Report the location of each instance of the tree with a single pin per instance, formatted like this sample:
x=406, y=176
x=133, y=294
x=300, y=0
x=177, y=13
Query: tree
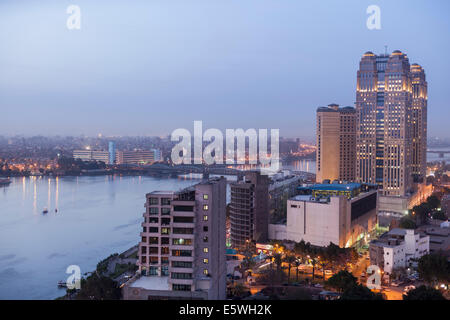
x=407, y=223
x=98, y=288
x=360, y=292
x=423, y=293
x=289, y=259
x=433, y=202
x=313, y=261
x=439, y=215
x=297, y=264
x=238, y=290
x=433, y=268
x=278, y=260
x=342, y=281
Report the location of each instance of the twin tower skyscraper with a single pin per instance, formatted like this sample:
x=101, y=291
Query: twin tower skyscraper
x=384, y=139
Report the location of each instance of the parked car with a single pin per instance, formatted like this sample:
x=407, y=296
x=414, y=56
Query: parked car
x=409, y=288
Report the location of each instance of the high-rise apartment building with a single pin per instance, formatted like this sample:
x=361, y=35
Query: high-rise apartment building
x=336, y=143
x=249, y=209
x=182, y=249
x=385, y=123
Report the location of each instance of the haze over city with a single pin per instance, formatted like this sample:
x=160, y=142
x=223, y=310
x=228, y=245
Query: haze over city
x=150, y=68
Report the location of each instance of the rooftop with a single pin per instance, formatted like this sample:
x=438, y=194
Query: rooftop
x=333, y=186
x=151, y=283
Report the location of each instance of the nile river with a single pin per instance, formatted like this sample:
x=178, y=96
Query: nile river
x=97, y=216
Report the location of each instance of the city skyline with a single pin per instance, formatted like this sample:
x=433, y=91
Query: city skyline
x=85, y=82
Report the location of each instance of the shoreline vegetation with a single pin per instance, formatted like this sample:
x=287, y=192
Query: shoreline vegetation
x=105, y=282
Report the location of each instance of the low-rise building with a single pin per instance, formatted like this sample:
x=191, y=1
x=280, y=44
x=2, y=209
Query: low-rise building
x=398, y=248
x=343, y=214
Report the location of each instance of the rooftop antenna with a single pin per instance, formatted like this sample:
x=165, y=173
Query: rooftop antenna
x=385, y=49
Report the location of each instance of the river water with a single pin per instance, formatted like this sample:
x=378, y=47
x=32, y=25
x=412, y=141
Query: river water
x=97, y=216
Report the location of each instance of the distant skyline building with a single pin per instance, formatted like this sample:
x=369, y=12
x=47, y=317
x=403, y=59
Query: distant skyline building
x=113, y=156
x=92, y=155
x=391, y=122
x=249, y=209
x=182, y=249
x=112, y=152
x=336, y=143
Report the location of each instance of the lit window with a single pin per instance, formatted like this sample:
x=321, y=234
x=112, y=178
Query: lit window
x=205, y=197
x=205, y=218
x=205, y=272
x=205, y=207
x=205, y=261
x=205, y=250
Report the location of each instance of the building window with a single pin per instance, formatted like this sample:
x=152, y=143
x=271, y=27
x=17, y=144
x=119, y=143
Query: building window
x=153, y=201
x=181, y=287
x=205, y=218
x=182, y=253
x=154, y=210
x=205, y=228
x=183, y=231
x=205, y=250
x=165, y=201
x=181, y=264
x=153, y=230
x=165, y=230
x=164, y=250
x=181, y=242
x=181, y=275
x=205, y=261
x=205, y=197
x=165, y=211
x=205, y=239
x=205, y=272
x=205, y=207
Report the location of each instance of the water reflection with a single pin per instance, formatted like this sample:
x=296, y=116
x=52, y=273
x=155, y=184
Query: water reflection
x=84, y=231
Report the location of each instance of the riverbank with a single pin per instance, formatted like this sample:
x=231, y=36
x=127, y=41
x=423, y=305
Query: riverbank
x=109, y=275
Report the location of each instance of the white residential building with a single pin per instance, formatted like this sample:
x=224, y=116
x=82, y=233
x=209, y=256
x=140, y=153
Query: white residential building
x=398, y=248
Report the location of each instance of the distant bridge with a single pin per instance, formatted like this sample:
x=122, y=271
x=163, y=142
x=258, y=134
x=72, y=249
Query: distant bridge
x=161, y=168
x=439, y=152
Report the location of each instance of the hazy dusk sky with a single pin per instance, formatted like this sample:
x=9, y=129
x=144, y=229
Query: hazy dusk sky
x=149, y=67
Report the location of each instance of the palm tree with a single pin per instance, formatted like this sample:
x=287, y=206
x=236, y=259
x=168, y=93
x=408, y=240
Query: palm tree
x=289, y=259
x=313, y=261
x=238, y=290
x=297, y=264
x=278, y=260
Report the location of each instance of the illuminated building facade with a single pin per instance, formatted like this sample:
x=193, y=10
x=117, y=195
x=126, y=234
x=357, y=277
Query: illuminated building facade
x=419, y=122
x=336, y=143
x=385, y=125
x=344, y=214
